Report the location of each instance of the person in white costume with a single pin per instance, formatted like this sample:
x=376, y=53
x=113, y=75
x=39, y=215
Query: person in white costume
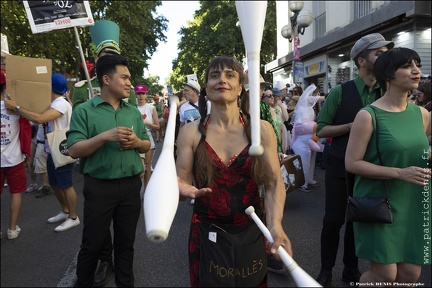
x=303, y=142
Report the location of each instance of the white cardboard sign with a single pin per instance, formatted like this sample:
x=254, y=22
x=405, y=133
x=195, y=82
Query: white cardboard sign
x=49, y=15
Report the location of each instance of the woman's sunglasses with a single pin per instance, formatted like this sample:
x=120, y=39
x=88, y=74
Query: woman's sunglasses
x=268, y=96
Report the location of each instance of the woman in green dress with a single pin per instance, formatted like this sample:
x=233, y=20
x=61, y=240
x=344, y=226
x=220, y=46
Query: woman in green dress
x=396, y=251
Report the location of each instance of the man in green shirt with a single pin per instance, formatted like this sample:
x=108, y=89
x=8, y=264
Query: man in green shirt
x=335, y=120
x=105, y=35
x=108, y=134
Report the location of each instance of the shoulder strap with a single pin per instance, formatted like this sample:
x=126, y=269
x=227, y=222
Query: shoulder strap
x=193, y=104
x=377, y=145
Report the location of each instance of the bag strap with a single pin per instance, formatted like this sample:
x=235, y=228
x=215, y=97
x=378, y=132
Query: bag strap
x=377, y=145
x=193, y=104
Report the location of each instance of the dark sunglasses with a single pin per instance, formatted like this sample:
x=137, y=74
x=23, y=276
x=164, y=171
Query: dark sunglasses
x=268, y=96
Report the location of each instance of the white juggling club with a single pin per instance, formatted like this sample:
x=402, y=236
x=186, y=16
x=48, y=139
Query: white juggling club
x=301, y=278
x=161, y=196
x=252, y=16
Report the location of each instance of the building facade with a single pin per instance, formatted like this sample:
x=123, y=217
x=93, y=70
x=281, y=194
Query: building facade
x=324, y=48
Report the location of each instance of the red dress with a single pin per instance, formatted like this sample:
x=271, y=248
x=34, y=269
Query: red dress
x=234, y=190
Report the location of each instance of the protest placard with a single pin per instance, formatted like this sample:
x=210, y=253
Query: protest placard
x=48, y=15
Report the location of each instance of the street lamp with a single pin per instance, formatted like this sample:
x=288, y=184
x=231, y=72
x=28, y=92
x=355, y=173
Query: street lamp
x=296, y=25
x=298, y=22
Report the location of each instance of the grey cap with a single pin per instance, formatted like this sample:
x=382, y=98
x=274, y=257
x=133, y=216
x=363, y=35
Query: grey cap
x=370, y=41
x=276, y=92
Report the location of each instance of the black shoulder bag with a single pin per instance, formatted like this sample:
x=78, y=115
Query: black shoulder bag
x=370, y=209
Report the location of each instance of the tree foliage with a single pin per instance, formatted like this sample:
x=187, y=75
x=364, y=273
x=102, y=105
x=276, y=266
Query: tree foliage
x=140, y=30
x=152, y=84
x=213, y=32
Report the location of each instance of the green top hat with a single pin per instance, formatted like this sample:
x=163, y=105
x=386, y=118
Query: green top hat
x=105, y=34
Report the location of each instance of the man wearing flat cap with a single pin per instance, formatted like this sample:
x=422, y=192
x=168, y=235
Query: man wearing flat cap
x=105, y=36
x=335, y=120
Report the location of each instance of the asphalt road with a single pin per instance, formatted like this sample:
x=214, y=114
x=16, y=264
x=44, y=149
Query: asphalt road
x=40, y=257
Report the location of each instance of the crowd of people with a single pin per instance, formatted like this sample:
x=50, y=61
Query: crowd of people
x=220, y=178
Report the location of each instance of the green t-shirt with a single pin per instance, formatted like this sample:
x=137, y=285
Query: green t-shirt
x=332, y=103
x=108, y=162
x=159, y=110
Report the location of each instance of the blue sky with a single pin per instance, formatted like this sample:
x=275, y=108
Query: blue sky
x=177, y=13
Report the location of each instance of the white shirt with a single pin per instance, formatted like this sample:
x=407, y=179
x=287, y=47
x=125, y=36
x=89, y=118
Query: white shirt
x=40, y=135
x=65, y=108
x=11, y=154
x=189, y=113
x=147, y=113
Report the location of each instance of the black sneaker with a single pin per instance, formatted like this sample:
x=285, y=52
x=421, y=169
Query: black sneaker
x=103, y=273
x=351, y=275
x=275, y=266
x=44, y=191
x=325, y=277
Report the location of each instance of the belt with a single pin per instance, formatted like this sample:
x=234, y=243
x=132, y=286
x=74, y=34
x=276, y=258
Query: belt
x=40, y=142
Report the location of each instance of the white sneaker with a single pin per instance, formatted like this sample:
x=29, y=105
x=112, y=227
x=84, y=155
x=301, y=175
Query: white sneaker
x=304, y=189
x=31, y=188
x=59, y=217
x=192, y=201
x=12, y=234
x=69, y=223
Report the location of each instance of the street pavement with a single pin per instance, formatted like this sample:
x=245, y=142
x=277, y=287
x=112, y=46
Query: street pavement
x=40, y=257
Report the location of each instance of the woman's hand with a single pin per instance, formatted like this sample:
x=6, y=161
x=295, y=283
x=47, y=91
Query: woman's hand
x=415, y=175
x=280, y=239
x=281, y=157
x=189, y=191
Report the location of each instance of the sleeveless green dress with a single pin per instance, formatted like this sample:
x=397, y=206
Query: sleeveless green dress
x=402, y=143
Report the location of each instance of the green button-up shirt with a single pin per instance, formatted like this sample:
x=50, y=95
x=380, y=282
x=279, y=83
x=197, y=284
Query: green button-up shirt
x=332, y=103
x=108, y=162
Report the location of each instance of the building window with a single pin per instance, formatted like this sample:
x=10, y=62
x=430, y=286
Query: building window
x=320, y=25
x=362, y=8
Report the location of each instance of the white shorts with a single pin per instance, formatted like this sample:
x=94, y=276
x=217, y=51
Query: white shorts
x=40, y=159
x=152, y=143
